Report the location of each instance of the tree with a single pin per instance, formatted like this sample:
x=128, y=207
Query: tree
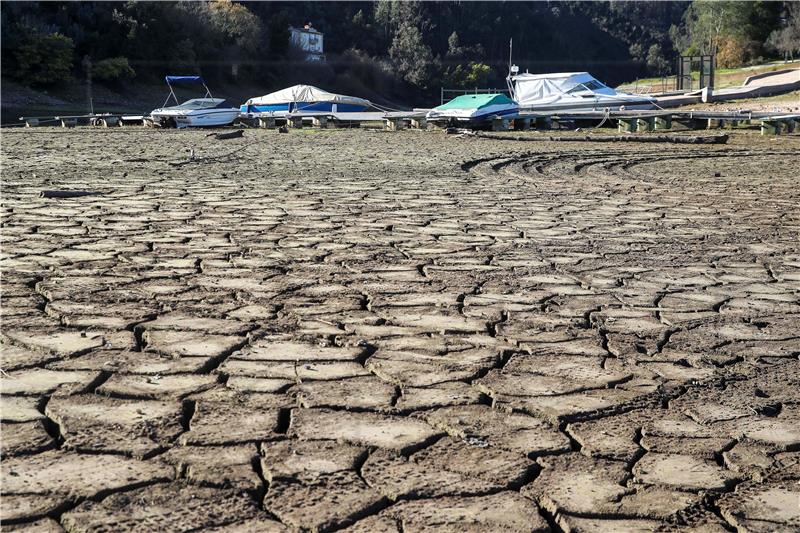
x=44, y=59
x=112, y=69
x=359, y=19
x=656, y=61
x=411, y=56
x=468, y=76
x=236, y=22
x=453, y=45
x=705, y=24
x=735, y=31
x=786, y=40
x=733, y=51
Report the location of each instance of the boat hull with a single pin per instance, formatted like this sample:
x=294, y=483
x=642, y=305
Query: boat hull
x=472, y=115
x=612, y=104
x=195, y=119
x=298, y=108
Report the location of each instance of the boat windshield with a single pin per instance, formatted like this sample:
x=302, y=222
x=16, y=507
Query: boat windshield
x=591, y=85
x=202, y=103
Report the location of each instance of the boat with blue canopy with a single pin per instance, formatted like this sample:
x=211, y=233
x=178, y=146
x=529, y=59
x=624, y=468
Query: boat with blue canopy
x=300, y=99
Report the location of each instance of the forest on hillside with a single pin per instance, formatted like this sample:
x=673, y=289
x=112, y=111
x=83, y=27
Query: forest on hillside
x=402, y=49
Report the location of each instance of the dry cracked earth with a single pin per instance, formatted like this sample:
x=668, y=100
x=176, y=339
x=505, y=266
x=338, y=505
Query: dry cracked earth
x=398, y=332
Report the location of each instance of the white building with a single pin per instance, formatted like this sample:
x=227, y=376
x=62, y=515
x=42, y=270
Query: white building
x=309, y=41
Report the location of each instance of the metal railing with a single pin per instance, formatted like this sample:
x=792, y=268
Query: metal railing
x=665, y=84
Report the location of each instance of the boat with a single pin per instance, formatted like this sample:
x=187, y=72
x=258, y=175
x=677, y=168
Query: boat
x=300, y=99
x=474, y=108
x=197, y=112
x=569, y=91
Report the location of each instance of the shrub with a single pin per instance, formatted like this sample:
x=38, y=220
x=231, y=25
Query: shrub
x=44, y=59
x=468, y=76
x=113, y=69
x=735, y=52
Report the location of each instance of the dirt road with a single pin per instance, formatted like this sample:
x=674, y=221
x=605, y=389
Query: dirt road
x=398, y=331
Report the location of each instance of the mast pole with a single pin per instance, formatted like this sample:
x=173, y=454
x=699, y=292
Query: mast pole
x=509, y=83
x=510, y=50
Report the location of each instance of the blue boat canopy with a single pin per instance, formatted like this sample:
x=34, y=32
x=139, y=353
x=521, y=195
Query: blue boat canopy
x=185, y=79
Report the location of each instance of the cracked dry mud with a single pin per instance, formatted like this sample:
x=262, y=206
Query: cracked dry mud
x=369, y=331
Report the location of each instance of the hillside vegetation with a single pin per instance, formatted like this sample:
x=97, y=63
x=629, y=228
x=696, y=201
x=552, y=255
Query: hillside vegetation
x=398, y=51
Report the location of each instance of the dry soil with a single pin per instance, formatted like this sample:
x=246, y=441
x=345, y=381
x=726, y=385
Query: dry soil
x=398, y=331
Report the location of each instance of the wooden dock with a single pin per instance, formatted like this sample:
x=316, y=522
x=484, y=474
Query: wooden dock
x=392, y=120
x=631, y=121
x=103, y=120
x=626, y=121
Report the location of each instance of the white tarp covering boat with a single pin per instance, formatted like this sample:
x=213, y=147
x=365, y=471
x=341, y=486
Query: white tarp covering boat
x=570, y=91
x=299, y=98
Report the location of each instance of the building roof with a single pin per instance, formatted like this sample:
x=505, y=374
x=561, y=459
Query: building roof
x=306, y=30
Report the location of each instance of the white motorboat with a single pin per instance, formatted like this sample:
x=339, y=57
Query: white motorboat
x=197, y=112
x=570, y=91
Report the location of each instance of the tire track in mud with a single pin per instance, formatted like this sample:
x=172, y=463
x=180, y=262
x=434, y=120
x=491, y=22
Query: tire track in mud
x=558, y=163
x=554, y=176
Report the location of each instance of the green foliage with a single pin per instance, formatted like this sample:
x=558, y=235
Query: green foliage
x=235, y=22
x=44, y=59
x=407, y=47
x=112, y=69
x=707, y=23
x=454, y=45
x=657, y=61
x=735, y=31
x=472, y=75
x=411, y=56
x=359, y=19
x=786, y=40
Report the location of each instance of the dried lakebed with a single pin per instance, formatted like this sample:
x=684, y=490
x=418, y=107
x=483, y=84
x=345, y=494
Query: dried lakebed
x=369, y=331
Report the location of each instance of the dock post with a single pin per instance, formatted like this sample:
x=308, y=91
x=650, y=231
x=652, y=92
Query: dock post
x=522, y=124
x=394, y=124
x=499, y=124
x=627, y=125
x=296, y=122
x=268, y=122
x=419, y=123
x=645, y=124
x=663, y=123
x=770, y=127
x=108, y=122
x=320, y=122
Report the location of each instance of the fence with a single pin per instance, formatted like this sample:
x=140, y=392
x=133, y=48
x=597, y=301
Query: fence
x=665, y=84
